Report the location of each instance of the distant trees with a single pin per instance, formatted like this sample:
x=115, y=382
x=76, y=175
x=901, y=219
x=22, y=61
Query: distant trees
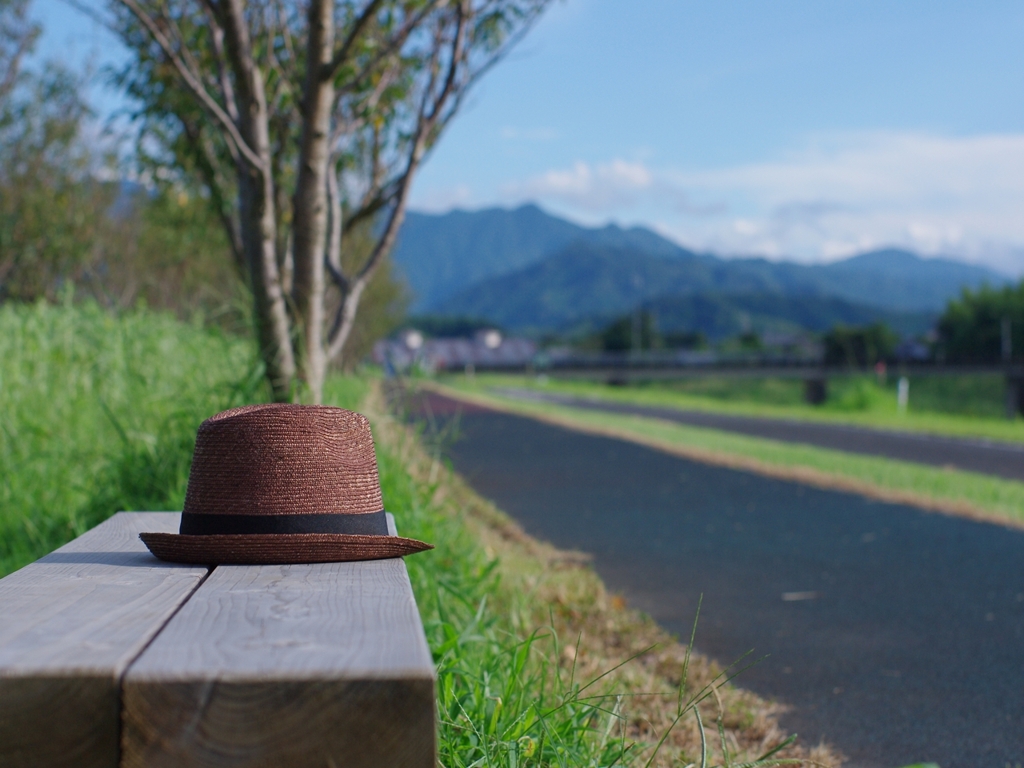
x=859, y=347
x=300, y=125
x=971, y=329
x=67, y=220
x=634, y=332
x=48, y=197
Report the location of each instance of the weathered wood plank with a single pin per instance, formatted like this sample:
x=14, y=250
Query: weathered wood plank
x=297, y=665
x=70, y=624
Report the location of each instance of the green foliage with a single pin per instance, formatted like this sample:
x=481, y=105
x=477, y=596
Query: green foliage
x=166, y=247
x=970, y=330
x=968, y=405
x=634, y=332
x=99, y=415
x=857, y=394
x=51, y=207
x=981, y=396
x=60, y=224
x=766, y=391
x=229, y=104
x=859, y=347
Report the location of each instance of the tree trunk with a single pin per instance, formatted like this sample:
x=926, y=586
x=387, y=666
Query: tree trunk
x=271, y=316
x=256, y=198
x=310, y=206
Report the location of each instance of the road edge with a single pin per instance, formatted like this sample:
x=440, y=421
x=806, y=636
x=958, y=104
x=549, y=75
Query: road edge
x=805, y=475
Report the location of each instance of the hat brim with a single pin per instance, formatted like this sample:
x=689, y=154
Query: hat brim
x=277, y=548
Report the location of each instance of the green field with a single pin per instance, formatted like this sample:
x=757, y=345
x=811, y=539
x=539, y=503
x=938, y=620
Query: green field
x=967, y=406
x=99, y=415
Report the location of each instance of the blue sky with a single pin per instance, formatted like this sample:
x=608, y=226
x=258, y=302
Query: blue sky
x=805, y=130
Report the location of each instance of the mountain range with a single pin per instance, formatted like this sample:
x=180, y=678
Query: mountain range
x=529, y=271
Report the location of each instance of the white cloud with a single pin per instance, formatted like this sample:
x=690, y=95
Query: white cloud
x=836, y=196
x=443, y=199
x=596, y=189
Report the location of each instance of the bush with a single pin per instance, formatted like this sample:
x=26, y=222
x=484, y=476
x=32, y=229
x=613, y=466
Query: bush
x=859, y=347
x=622, y=334
x=971, y=328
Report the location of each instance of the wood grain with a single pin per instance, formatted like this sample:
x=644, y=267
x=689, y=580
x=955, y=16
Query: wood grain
x=71, y=624
x=289, y=665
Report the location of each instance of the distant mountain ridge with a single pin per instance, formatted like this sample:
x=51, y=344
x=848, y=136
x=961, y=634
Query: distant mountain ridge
x=584, y=284
x=530, y=271
x=440, y=254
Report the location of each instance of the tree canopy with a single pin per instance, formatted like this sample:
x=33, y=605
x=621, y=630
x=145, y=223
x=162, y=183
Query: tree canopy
x=301, y=124
x=971, y=328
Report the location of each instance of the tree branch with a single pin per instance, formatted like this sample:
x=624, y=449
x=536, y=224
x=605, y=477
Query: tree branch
x=194, y=83
x=14, y=64
x=396, y=43
x=217, y=36
x=206, y=160
x=329, y=70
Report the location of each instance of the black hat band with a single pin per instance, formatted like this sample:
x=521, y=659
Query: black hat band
x=367, y=524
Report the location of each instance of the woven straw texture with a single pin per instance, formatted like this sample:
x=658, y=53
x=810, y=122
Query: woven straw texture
x=284, y=459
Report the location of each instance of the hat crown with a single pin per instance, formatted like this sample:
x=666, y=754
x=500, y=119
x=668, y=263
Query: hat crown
x=281, y=459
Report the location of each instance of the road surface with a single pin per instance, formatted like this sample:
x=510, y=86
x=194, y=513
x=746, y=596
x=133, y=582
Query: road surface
x=895, y=634
x=989, y=457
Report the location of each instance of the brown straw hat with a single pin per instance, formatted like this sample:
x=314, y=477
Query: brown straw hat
x=282, y=484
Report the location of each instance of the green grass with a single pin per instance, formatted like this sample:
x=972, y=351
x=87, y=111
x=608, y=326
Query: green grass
x=965, y=406
x=501, y=702
x=100, y=413
x=993, y=497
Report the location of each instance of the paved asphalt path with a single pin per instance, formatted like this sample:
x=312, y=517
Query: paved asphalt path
x=896, y=634
x=986, y=456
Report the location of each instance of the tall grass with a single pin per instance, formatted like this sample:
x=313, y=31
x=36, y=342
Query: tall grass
x=98, y=413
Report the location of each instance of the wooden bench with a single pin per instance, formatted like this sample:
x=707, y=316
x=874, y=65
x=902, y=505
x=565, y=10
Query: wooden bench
x=110, y=657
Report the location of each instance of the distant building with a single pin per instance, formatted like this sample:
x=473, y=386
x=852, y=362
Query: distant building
x=487, y=350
